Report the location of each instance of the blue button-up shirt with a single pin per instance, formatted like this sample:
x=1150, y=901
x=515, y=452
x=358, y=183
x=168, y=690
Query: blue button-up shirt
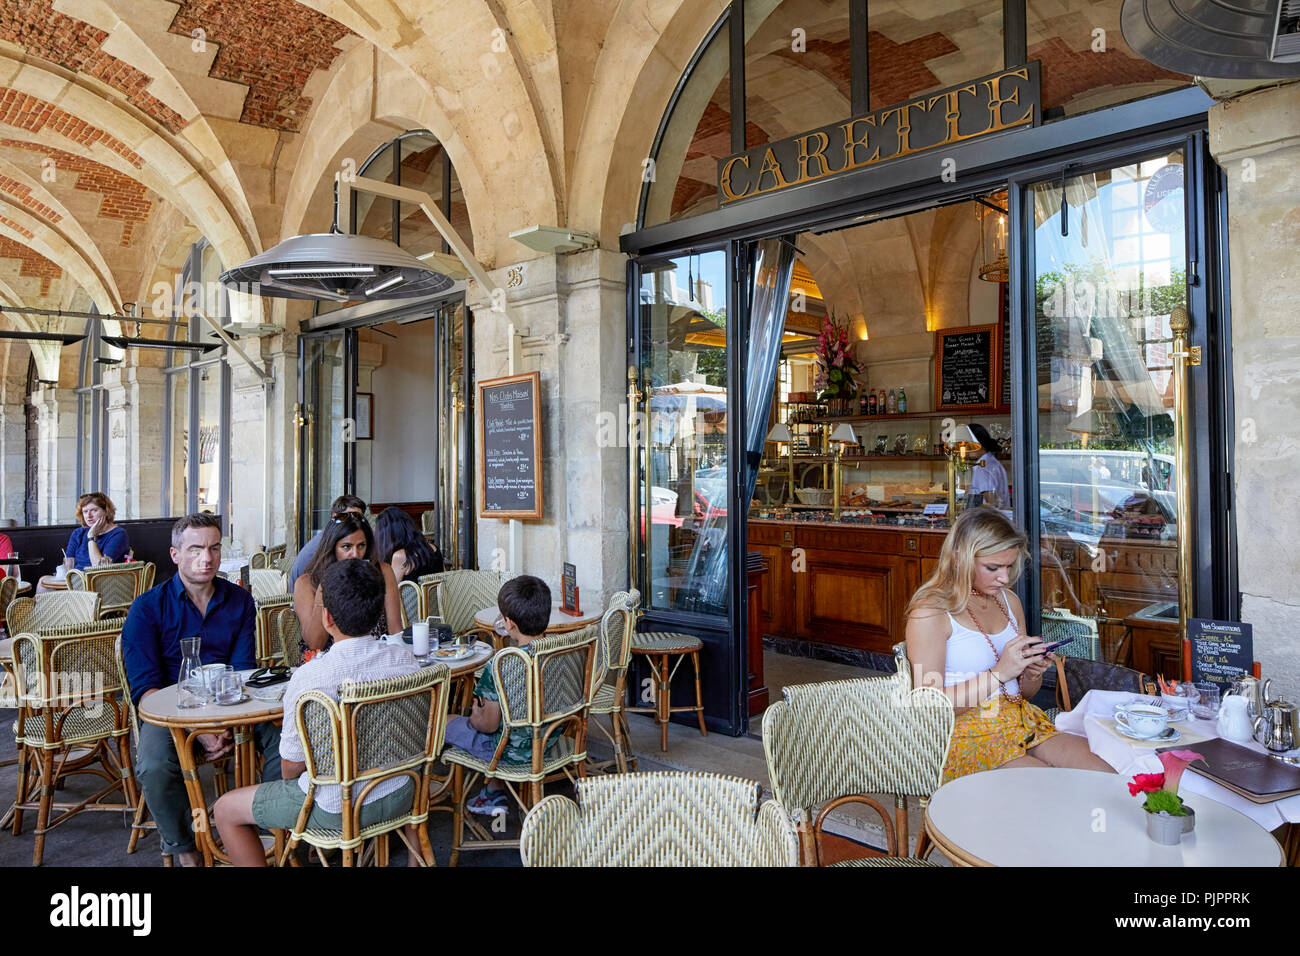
x=161, y=617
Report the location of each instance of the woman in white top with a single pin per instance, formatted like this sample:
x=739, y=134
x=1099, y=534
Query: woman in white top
x=964, y=636
x=988, y=478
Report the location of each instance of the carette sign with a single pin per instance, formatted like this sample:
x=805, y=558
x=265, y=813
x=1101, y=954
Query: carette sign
x=991, y=104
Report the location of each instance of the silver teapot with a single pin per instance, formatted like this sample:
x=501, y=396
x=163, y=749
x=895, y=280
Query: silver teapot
x=1255, y=691
x=1278, y=727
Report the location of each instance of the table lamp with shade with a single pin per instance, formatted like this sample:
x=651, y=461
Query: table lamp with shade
x=780, y=433
x=963, y=440
x=841, y=436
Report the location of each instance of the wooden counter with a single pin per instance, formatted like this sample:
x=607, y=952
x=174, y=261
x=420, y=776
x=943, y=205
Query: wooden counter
x=848, y=584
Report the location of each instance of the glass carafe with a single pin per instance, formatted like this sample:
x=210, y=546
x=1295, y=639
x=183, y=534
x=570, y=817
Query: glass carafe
x=191, y=689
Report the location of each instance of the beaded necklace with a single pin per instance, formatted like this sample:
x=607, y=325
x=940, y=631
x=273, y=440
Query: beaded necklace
x=1014, y=698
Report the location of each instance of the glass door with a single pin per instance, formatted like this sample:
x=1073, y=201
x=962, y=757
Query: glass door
x=1110, y=262
x=325, y=429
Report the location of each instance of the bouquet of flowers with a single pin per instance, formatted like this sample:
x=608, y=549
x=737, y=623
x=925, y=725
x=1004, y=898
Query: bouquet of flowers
x=1162, y=788
x=836, y=377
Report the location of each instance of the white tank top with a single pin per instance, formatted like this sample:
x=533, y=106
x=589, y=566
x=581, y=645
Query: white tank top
x=968, y=654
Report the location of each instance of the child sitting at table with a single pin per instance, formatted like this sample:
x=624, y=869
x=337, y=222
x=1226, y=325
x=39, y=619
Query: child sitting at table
x=352, y=600
x=525, y=605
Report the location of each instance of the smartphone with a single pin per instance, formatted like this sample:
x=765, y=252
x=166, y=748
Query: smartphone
x=1054, y=645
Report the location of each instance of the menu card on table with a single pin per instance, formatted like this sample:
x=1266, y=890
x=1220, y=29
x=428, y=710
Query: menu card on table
x=1256, y=776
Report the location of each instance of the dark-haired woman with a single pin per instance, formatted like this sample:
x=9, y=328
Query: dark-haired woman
x=345, y=537
x=400, y=544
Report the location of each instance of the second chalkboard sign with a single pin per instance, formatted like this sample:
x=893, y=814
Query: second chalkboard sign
x=966, y=372
x=510, y=446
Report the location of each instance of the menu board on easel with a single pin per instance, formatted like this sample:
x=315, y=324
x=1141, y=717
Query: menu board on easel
x=1222, y=651
x=966, y=368
x=509, y=416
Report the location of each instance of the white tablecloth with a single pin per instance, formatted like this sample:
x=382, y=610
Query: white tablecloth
x=1129, y=759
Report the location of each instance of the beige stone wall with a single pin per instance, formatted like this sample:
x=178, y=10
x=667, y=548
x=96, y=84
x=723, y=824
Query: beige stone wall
x=1257, y=141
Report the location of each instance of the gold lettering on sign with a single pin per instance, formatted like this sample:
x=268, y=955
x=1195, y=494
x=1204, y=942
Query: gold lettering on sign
x=770, y=165
x=726, y=176
x=819, y=154
x=996, y=100
x=951, y=115
x=851, y=144
x=904, y=129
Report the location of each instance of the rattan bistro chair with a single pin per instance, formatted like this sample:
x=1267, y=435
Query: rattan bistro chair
x=8, y=591
x=460, y=594
x=287, y=632
x=73, y=718
x=412, y=602
x=269, y=649
x=265, y=583
x=545, y=692
x=658, y=648
x=28, y=614
x=837, y=742
x=659, y=819
x=376, y=731
x=117, y=584
x=616, y=628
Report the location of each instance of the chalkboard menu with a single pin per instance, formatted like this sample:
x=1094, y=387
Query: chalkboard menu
x=1222, y=651
x=510, y=446
x=967, y=362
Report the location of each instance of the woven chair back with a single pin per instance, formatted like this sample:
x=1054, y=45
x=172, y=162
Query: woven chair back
x=546, y=680
x=266, y=583
x=1081, y=632
x=286, y=631
x=1080, y=675
x=412, y=602
x=269, y=649
x=284, y=564
x=27, y=614
x=375, y=728
x=902, y=666
x=69, y=684
x=461, y=593
x=659, y=819
x=429, y=521
x=8, y=591
x=617, y=625
x=850, y=737
x=117, y=584
x=259, y=561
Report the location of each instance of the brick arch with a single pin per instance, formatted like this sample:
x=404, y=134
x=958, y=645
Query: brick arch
x=41, y=238
x=493, y=130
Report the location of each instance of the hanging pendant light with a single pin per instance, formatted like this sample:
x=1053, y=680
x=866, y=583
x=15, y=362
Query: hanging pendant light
x=999, y=269
x=337, y=267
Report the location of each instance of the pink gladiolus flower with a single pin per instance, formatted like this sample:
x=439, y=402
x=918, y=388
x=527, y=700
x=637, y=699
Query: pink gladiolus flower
x=839, y=361
x=1175, y=762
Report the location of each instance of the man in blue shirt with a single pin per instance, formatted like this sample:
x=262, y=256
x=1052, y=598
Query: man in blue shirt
x=342, y=505
x=194, y=603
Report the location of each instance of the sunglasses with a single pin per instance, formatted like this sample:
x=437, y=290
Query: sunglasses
x=266, y=676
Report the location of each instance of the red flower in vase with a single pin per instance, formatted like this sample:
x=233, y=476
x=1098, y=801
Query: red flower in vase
x=1146, y=783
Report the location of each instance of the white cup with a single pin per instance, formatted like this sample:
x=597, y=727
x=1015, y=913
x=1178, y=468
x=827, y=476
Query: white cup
x=1144, y=720
x=420, y=638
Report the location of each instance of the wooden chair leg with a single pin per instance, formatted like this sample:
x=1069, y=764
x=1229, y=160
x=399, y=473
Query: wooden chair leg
x=922, y=845
x=699, y=696
x=457, y=811
x=24, y=771
x=620, y=741
x=663, y=702
x=900, y=825
x=47, y=803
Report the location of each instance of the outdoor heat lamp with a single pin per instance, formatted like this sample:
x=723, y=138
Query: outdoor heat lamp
x=337, y=267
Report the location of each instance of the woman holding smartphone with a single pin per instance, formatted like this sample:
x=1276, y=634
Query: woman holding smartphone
x=965, y=635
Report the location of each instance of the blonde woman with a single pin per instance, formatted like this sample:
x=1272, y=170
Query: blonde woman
x=965, y=635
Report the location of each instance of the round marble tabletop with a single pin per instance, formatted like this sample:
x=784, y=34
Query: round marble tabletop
x=1053, y=816
x=559, y=620
x=24, y=587
x=458, y=668
x=161, y=708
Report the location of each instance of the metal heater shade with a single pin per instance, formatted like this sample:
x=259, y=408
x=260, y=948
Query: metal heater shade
x=129, y=342
x=60, y=337
x=337, y=267
x=1210, y=38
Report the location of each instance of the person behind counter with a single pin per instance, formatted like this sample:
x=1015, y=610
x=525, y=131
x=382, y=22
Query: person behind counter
x=964, y=636
x=97, y=540
x=988, y=484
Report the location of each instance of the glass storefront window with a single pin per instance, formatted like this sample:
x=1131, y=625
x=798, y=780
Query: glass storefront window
x=797, y=67
x=684, y=348
x=685, y=172
x=178, y=385
x=1107, y=483
x=917, y=48
x=1086, y=65
x=209, y=445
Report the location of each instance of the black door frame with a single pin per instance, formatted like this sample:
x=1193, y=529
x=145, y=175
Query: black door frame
x=1008, y=160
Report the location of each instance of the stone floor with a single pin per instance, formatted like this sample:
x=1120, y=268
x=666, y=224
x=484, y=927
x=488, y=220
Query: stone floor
x=100, y=839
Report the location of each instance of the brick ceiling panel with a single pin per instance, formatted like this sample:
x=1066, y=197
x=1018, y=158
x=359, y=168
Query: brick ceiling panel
x=23, y=193
x=123, y=199
x=33, y=265
x=36, y=115
x=75, y=45
x=272, y=47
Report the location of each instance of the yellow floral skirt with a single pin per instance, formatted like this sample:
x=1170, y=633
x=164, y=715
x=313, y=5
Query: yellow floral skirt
x=997, y=731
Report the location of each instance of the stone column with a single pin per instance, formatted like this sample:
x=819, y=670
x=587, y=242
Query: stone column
x=57, y=488
x=13, y=456
x=249, y=493
x=1257, y=141
x=136, y=403
x=574, y=308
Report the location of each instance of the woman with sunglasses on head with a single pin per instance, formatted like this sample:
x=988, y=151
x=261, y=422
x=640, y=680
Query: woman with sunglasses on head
x=348, y=536
x=402, y=545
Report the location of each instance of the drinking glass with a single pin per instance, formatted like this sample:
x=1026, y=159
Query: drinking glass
x=499, y=625
x=1207, y=701
x=420, y=638
x=215, y=676
x=230, y=690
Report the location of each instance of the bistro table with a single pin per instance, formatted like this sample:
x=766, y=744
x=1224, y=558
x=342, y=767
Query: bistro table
x=1053, y=816
x=160, y=708
x=560, y=622
x=1092, y=718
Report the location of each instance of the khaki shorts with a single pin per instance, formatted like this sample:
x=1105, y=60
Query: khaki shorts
x=276, y=806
